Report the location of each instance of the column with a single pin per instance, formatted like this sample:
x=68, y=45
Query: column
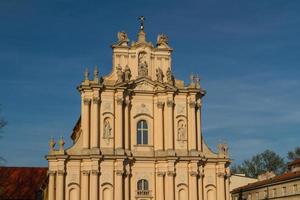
x=94, y=185
x=51, y=185
x=85, y=185
x=160, y=185
x=60, y=185
x=85, y=122
x=159, y=133
x=193, y=184
x=200, y=183
x=118, y=185
x=192, y=136
x=169, y=124
x=119, y=123
x=126, y=121
x=127, y=183
x=95, y=123
x=227, y=180
x=199, y=131
x=170, y=185
x=221, y=186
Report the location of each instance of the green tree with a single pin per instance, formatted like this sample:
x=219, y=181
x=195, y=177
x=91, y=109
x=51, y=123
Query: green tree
x=292, y=155
x=261, y=163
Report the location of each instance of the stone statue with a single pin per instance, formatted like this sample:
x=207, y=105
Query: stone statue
x=181, y=131
x=223, y=150
x=122, y=38
x=127, y=73
x=96, y=74
x=52, y=144
x=120, y=74
x=143, y=66
x=107, y=130
x=162, y=39
x=197, y=80
x=159, y=75
x=86, y=74
x=61, y=143
x=170, y=78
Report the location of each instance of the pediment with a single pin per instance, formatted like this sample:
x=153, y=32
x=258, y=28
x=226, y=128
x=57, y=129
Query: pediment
x=145, y=84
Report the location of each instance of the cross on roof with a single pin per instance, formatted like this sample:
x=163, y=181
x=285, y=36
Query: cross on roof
x=142, y=19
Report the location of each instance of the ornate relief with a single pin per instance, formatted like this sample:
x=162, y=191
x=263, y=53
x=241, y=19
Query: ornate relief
x=144, y=86
x=181, y=109
x=107, y=131
x=159, y=75
x=122, y=38
x=142, y=109
x=162, y=39
x=96, y=100
x=107, y=107
x=142, y=64
x=86, y=101
x=160, y=104
x=170, y=103
x=181, y=132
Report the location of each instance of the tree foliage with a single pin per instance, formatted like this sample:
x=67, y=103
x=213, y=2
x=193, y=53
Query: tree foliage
x=266, y=161
x=292, y=155
x=2, y=124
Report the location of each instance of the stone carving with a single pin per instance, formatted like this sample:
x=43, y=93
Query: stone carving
x=144, y=86
x=107, y=135
x=52, y=144
x=120, y=74
x=195, y=81
x=96, y=74
x=96, y=100
x=160, y=104
x=170, y=103
x=223, y=150
x=122, y=38
x=86, y=101
x=107, y=106
x=181, y=134
x=162, y=39
x=170, y=77
x=86, y=74
x=159, y=75
x=142, y=109
x=127, y=73
x=142, y=65
x=181, y=109
x=61, y=143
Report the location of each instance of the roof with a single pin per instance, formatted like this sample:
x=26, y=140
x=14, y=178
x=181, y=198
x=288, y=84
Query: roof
x=283, y=177
x=22, y=183
x=295, y=162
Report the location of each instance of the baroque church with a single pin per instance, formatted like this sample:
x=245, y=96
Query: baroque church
x=139, y=136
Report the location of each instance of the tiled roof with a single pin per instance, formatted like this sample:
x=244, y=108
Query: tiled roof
x=21, y=183
x=276, y=179
x=295, y=162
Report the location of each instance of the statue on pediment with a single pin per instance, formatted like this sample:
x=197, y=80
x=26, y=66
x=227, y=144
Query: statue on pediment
x=223, y=150
x=162, y=39
x=159, y=75
x=120, y=74
x=122, y=38
x=127, y=73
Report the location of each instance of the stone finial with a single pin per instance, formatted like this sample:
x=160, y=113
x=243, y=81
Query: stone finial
x=61, y=143
x=86, y=74
x=52, y=144
x=96, y=73
x=142, y=19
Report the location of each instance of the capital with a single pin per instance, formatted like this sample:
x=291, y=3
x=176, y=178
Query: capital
x=95, y=172
x=86, y=101
x=193, y=173
x=96, y=100
x=119, y=172
x=160, y=174
x=51, y=173
x=160, y=104
x=120, y=100
x=85, y=172
x=170, y=103
x=171, y=173
x=192, y=104
x=61, y=172
x=221, y=174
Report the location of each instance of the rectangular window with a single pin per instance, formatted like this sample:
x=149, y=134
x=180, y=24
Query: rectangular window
x=295, y=189
x=283, y=191
x=274, y=192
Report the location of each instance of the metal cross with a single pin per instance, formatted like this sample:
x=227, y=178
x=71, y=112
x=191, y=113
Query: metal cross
x=142, y=19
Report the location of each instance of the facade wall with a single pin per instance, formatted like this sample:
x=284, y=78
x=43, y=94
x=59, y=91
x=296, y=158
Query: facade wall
x=108, y=159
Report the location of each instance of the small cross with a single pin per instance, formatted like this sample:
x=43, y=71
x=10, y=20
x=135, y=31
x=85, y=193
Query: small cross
x=142, y=19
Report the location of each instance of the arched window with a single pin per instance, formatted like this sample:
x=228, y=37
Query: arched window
x=142, y=132
x=142, y=185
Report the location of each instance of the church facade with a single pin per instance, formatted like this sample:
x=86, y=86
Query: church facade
x=139, y=135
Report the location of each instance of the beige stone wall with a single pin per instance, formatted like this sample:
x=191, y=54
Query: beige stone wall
x=289, y=190
x=106, y=161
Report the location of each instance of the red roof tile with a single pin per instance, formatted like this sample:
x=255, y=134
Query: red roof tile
x=282, y=177
x=21, y=183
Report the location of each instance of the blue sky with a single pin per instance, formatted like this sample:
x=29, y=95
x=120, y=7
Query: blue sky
x=246, y=53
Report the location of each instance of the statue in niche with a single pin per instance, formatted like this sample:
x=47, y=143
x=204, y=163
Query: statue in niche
x=181, y=135
x=170, y=77
x=120, y=74
x=142, y=64
x=159, y=75
x=127, y=73
x=107, y=131
x=162, y=39
x=122, y=38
